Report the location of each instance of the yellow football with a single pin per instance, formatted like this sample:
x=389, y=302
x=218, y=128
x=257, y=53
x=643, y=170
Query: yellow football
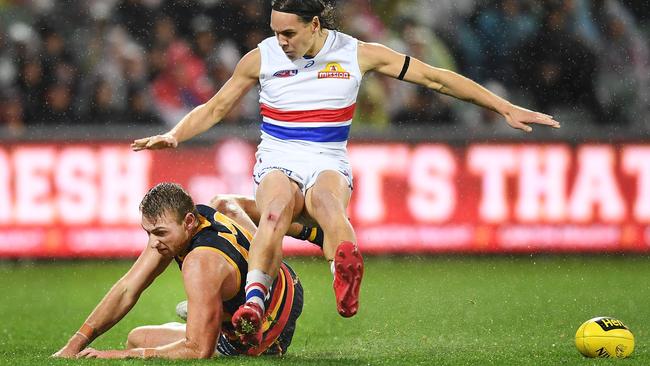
x=604, y=337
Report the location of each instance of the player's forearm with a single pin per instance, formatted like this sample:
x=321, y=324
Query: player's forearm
x=460, y=87
x=199, y=120
x=111, y=309
x=182, y=349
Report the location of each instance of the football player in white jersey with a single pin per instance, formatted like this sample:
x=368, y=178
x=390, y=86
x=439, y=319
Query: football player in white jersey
x=302, y=167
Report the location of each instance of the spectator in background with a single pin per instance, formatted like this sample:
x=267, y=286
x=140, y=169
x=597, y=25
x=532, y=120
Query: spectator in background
x=12, y=112
x=182, y=85
x=373, y=99
x=212, y=48
x=102, y=108
x=557, y=69
x=136, y=18
x=139, y=110
x=497, y=45
x=58, y=62
x=7, y=66
x=361, y=21
x=424, y=108
x=623, y=74
x=126, y=42
x=164, y=32
x=156, y=62
x=180, y=12
x=420, y=42
x=32, y=87
x=58, y=106
x=251, y=26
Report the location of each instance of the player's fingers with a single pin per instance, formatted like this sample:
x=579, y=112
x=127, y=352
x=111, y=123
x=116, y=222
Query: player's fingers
x=83, y=354
x=541, y=119
x=140, y=144
x=522, y=126
x=545, y=120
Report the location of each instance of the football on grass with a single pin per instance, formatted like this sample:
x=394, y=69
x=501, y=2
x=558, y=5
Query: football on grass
x=604, y=337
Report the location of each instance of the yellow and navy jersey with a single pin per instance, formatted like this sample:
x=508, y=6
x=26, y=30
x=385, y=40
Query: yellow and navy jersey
x=220, y=234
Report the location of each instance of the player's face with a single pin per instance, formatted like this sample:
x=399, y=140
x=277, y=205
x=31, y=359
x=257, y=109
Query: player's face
x=295, y=37
x=167, y=235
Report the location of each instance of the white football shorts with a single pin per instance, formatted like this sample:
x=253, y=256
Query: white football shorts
x=302, y=164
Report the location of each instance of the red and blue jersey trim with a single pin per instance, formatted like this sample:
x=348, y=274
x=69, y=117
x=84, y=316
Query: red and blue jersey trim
x=314, y=134
x=315, y=115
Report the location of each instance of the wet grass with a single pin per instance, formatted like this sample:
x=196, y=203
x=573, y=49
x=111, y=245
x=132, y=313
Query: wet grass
x=414, y=311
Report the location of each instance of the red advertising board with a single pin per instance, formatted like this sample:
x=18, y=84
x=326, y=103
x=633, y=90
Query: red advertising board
x=81, y=200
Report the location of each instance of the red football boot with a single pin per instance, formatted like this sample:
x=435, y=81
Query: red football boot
x=247, y=322
x=348, y=271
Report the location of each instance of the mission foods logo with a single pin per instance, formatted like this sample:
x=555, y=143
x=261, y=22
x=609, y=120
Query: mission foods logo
x=333, y=70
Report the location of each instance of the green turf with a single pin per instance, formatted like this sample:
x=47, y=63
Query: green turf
x=440, y=310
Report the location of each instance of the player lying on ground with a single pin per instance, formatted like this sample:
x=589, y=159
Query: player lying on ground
x=211, y=250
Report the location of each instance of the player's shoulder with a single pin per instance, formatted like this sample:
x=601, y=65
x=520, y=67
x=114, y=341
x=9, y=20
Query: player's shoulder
x=210, y=227
x=373, y=55
x=371, y=48
x=206, y=260
x=249, y=64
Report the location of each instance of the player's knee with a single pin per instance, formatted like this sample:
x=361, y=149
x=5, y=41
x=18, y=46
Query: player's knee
x=276, y=212
x=326, y=203
x=216, y=201
x=136, y=338
x=221, y=202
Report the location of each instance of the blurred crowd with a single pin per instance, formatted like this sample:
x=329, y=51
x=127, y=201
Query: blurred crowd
x=127, y=62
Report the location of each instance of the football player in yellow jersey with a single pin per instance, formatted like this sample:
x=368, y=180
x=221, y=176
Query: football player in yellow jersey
x=211, y=250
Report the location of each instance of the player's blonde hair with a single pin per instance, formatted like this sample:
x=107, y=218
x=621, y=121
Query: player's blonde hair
x=167, y=197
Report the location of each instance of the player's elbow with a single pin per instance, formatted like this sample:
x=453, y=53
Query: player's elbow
x=201, y=351
x=127, y=293
x=205, y=354
x=216, y=109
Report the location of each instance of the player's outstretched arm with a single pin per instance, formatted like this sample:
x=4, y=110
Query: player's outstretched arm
x=206, y=275
x=376, y=57
x=201, y=118
x=117, y=302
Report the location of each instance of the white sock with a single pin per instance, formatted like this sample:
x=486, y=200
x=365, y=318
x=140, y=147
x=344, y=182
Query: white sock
x=257, y=287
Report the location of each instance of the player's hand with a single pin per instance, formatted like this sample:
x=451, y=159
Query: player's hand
x=520, y=118
x=70, y=350
x=112, y=354
x=155, y=142
x=65, y=352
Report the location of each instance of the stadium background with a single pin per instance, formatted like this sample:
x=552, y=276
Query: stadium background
x=79, y=80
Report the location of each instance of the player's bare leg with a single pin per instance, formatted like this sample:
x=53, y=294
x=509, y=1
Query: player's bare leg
x=231, y=206
x=326, y=201
x=279, y=201
x=151, y=336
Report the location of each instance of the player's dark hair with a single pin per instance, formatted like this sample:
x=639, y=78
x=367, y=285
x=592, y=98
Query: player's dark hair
x=306, y=10
x=167, y=197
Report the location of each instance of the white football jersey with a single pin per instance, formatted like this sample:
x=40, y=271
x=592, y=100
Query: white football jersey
x=309, y=102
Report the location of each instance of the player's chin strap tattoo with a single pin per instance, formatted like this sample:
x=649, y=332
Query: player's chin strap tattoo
x=405, y=68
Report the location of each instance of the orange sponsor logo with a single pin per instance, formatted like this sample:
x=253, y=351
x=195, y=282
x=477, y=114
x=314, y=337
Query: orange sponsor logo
x=333, y=70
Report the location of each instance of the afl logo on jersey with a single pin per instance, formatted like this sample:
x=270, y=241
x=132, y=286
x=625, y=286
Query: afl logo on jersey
x=285, y=73
x=333, y=70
